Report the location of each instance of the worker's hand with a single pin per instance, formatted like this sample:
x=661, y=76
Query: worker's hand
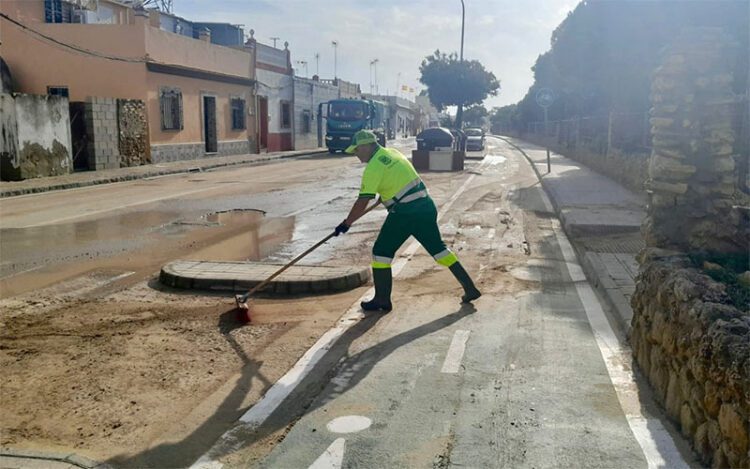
x=342, y=228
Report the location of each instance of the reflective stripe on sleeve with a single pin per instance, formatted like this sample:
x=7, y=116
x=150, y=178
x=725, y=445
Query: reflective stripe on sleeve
x=446, y=258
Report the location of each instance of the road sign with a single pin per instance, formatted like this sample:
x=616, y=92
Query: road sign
x=545, y=97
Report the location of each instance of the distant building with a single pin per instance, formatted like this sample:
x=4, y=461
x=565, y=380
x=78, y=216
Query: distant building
x=432, y=116
x=199, y=96
x=403, y=117
x=275, y=94
x=309, y=127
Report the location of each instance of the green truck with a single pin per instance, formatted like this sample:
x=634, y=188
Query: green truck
x=344, y=117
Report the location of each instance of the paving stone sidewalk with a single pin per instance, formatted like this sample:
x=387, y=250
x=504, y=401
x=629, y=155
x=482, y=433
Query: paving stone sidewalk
x=602, y=219
x=242, y=276
x=91, y=178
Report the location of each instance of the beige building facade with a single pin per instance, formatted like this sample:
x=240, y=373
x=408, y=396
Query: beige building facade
x=199, y=95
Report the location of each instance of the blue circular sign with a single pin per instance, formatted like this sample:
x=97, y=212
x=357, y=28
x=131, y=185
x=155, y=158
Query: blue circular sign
x=545, y=97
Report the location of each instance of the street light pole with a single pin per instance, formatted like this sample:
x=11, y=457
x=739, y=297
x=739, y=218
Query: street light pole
x=317, y=64
x=335, y=58
x=460, y=109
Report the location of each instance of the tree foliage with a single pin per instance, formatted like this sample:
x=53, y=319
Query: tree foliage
x=603, y=55
x=475, y=116
x=451, y=82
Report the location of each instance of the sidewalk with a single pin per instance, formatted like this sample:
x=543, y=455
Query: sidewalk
x=602, y=220
x=91, y=178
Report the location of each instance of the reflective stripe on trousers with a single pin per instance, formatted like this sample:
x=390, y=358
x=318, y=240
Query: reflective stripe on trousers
x=446, y=258
x=381, y=262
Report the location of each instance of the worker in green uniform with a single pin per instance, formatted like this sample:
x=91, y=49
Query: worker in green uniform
x=411, y=212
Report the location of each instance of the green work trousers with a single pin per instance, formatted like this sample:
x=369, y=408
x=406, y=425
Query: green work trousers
x=418, y=219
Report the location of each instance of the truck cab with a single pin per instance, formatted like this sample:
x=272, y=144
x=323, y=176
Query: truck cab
x=345, y=117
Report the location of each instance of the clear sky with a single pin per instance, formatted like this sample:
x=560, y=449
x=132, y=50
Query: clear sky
x=505, y=35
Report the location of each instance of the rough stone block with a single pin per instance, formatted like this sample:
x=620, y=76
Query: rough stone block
x=734, y=428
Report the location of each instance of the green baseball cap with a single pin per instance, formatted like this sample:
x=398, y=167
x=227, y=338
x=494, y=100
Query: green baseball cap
x=363, y=137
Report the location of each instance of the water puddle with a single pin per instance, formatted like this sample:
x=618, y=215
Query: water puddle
x=257, y=236
x=143, y=237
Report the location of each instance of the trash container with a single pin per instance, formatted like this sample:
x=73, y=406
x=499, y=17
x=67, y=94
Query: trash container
x=433, y=138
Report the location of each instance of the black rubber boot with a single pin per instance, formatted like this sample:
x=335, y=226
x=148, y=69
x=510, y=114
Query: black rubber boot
x=383, y=280
x=471, y=292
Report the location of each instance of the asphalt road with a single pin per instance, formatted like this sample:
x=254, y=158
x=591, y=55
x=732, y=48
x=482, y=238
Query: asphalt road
x=531, y=376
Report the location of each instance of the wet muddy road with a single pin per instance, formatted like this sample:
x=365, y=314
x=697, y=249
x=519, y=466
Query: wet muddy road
x=101, y=360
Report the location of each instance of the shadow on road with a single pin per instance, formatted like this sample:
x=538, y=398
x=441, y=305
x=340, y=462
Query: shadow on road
x=186, y=451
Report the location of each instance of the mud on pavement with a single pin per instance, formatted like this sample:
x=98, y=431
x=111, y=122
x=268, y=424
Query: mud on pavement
x=137, y=375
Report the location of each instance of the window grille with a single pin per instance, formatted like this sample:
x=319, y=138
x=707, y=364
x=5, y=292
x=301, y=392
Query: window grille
x=238, y=114
x=170, y=101
x=286, y=116
x=306, y=122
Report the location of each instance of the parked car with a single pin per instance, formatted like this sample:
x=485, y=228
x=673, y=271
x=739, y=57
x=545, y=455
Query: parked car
x=474, y=139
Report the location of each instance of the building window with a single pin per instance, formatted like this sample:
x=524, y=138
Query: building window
x=58, y=91
x=306, y=122
x=238, y=114
x=286, y=115
x=170, y=101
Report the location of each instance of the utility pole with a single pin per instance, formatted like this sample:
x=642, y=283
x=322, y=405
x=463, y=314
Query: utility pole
x=274, y=39
x=317, y=64
x=374, y=66
x=398, y=84
x=460, y=109
x=335, y=45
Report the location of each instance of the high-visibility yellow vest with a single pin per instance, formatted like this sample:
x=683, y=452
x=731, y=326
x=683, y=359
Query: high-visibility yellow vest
x=391, y=175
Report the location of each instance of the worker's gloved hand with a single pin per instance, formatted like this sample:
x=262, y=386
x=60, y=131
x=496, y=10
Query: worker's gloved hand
x=342, y=228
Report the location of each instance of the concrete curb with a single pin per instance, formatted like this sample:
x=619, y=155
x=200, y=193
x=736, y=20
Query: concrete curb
x=593, y=268
x=598, y=276
x=242, y=276
x=149, y=171
x=38, y=458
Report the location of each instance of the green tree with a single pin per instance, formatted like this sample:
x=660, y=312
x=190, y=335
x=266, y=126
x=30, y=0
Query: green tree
x=452, y=82
x=475, y=116
x=504, y=119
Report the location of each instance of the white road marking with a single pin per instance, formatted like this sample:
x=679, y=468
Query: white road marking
x=455, y=353
x=349, y=424
x=332, y=458
x=656, y=443
x=232, y=439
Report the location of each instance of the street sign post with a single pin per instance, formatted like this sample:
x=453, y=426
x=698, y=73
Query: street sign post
x=544, y=98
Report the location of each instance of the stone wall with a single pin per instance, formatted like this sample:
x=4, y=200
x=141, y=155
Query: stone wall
x=35, y=138
x=692, y=179
x=102, y=133
x=691, y=338
x=133, y=139
x=694, y=348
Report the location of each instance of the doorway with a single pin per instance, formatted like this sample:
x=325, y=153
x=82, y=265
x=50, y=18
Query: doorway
x=263, y=116
x=209, y=123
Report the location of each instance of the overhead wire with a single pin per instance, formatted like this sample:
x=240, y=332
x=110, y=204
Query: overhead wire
x=75, y=48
